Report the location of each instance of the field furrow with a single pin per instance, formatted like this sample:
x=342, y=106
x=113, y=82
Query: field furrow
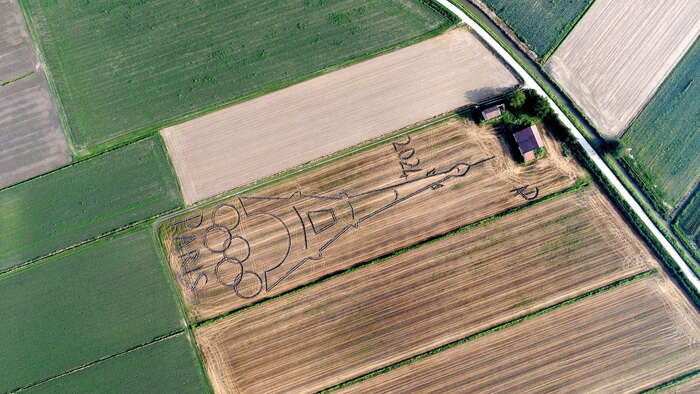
x=621, y=341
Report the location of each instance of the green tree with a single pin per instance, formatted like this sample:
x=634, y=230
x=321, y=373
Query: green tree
x=517, y=99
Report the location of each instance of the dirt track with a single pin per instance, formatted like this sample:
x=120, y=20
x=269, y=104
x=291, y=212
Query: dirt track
x=615, y=58
x=621, y=341
x=361, y=204
x=438, y=293
x=266, y=135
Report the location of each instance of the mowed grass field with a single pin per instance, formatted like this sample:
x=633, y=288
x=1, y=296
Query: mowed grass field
x=167, y=366
x=541, y=24
x=120, y=66
x=235, y=251
x=625, y=340
x=82, y=201
x=81, y=305
x=437, y=293
x=665, y=138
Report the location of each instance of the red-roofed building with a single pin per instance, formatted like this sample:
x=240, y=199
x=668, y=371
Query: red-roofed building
x=528, y=140
x=493, y=112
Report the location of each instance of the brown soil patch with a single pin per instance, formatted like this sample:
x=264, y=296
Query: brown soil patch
x=425, y=298
x=237, y=251
x=620, y=341
x=261, y=137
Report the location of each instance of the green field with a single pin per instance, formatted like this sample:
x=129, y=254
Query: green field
x=85, y=200
x=664, y=138
x=125, y=65
x=168, y=366
x=689, y=219
x=542, y=24
x=84, y=304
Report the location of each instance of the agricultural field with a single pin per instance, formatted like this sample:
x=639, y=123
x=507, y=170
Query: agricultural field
x=689, y=219
x=81, y=305
x=264, y=136
x=167, y=366
x=618, y=54
x=624, y=340
x=235, y=251
x=17, y=55
x=664, y=140
x=85, y=200
x=422, y=299
x=689, y=387
x=121, y=66
x=540, y=24
x=31, y=139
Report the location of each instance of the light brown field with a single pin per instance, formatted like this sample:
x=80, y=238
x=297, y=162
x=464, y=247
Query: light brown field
x=631, y=338
x=261, y=137
x=425, y=298
x=616, y=57
x=234, y=252
x=690, y=387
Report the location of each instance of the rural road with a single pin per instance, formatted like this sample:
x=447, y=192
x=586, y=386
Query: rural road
x=529, y=82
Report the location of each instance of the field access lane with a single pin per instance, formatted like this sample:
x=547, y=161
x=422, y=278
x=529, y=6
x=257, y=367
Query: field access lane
x=269, y=134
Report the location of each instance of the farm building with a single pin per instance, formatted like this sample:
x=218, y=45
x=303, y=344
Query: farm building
x=493, y=112
x=528, y=140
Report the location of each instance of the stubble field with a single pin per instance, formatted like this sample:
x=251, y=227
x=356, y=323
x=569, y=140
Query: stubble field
x=121, y=66
x=622, y=341
x=236, y=251
x=266, y=135
x=619, y=53
x=438, y=293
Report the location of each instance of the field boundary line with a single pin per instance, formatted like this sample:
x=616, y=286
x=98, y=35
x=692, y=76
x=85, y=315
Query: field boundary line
x=673, y=382
x=55, y=97
x=157, y=339
x=493, y=329
x=578, y=186
x=569, y=27
x=591, y=154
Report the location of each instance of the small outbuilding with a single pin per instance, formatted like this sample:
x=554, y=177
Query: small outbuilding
x=529, y=141
x=493, y=112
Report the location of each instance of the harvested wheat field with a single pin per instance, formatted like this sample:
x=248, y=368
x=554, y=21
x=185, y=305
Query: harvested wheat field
x=689, y=387
x=233, y=252
x=425, y=298
x=266, y=135
x=624, y=340
x=616, y=57
x=17, y=56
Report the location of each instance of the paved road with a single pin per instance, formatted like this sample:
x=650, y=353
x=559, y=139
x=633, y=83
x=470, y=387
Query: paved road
x=529, y=82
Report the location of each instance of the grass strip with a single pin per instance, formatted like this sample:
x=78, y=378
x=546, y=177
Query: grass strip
x=673, y=382
x=497, y=328
x=579, y=185
x=27, y=75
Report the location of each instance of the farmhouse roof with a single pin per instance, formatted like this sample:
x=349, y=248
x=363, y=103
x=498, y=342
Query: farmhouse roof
x=528, y=139
x=492, y=112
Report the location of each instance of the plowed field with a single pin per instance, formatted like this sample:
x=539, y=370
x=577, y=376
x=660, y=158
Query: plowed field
x=425, y=298
x=620, y=341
